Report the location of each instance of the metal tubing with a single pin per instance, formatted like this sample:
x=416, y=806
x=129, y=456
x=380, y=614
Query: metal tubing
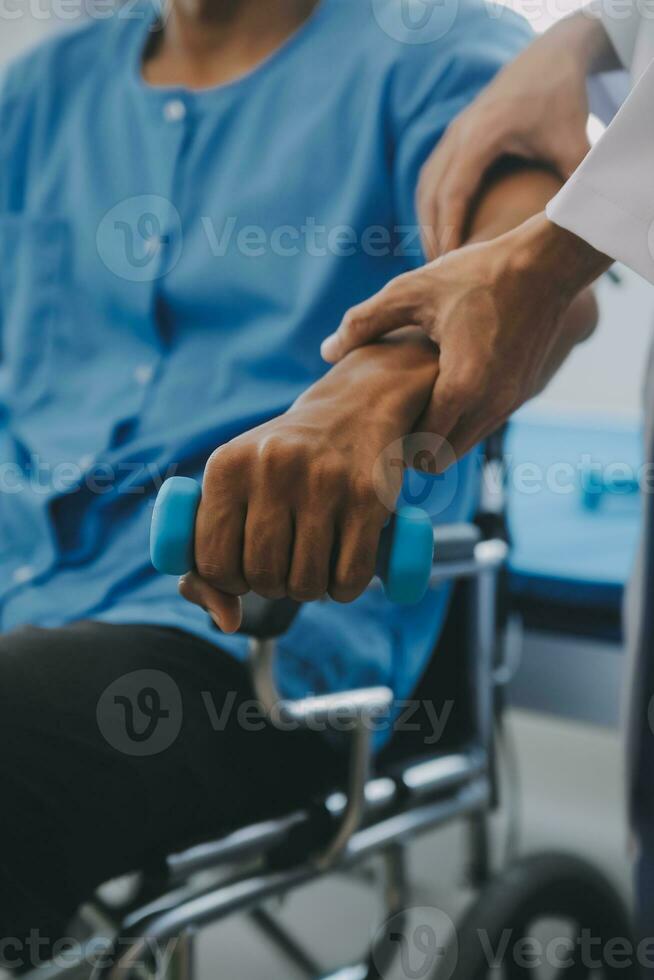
x=218, y=903
x=353, y=708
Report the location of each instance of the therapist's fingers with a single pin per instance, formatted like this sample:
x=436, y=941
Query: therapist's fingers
x=449, y=182
x=449, y=405
x=432, y=176
x=467, y=434
x=466, y=406
x=398, y=304
x=444, y=206
x=225, y=610
x=452, y=176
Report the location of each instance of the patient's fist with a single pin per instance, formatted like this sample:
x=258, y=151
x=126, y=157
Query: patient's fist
x=295, y=508
x=289, y=509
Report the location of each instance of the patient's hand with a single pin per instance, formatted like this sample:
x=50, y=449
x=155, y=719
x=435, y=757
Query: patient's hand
x=290, y=509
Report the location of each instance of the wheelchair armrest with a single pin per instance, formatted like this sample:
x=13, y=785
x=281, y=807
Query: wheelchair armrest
x=460, y=552
x=455, y=542
x=266, y=619
x=353, y=709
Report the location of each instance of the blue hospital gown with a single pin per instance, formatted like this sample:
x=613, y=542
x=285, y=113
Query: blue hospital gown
x=170, y=262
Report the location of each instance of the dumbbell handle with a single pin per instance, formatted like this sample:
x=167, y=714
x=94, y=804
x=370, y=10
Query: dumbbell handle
x=404, y=559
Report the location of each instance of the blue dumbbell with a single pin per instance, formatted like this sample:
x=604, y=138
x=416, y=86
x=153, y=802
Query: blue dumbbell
x=404, y=560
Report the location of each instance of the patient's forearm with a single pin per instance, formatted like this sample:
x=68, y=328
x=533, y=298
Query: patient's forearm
x=390, y=381
x=513, y=192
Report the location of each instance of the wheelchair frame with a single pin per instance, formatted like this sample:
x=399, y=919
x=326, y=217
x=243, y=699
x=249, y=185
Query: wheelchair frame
x=375, y=814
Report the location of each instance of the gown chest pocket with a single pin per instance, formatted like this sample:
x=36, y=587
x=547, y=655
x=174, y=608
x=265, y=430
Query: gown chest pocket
x=35, y=311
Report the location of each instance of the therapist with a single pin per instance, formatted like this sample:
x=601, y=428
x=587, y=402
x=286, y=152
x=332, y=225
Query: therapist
x=495, y=309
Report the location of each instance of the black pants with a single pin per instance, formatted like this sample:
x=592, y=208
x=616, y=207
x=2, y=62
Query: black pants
x=118, y=745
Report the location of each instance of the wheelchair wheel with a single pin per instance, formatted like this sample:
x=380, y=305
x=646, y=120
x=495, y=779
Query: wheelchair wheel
x=549, y=916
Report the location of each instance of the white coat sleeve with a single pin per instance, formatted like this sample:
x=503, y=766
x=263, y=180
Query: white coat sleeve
x=609, y=200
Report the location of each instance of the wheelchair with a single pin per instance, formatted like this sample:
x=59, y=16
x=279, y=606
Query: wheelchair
x=380, y=805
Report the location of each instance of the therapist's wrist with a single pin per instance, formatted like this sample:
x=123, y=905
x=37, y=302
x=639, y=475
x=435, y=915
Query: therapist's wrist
x=556, y=258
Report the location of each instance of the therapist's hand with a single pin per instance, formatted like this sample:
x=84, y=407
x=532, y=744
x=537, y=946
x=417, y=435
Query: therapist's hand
x=291, y=508
x=536, y=108
x=504, y=315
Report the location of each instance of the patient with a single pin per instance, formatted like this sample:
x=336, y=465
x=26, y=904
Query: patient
x=185, y=213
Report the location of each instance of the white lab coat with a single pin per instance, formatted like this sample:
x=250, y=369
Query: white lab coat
x=609, y=202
